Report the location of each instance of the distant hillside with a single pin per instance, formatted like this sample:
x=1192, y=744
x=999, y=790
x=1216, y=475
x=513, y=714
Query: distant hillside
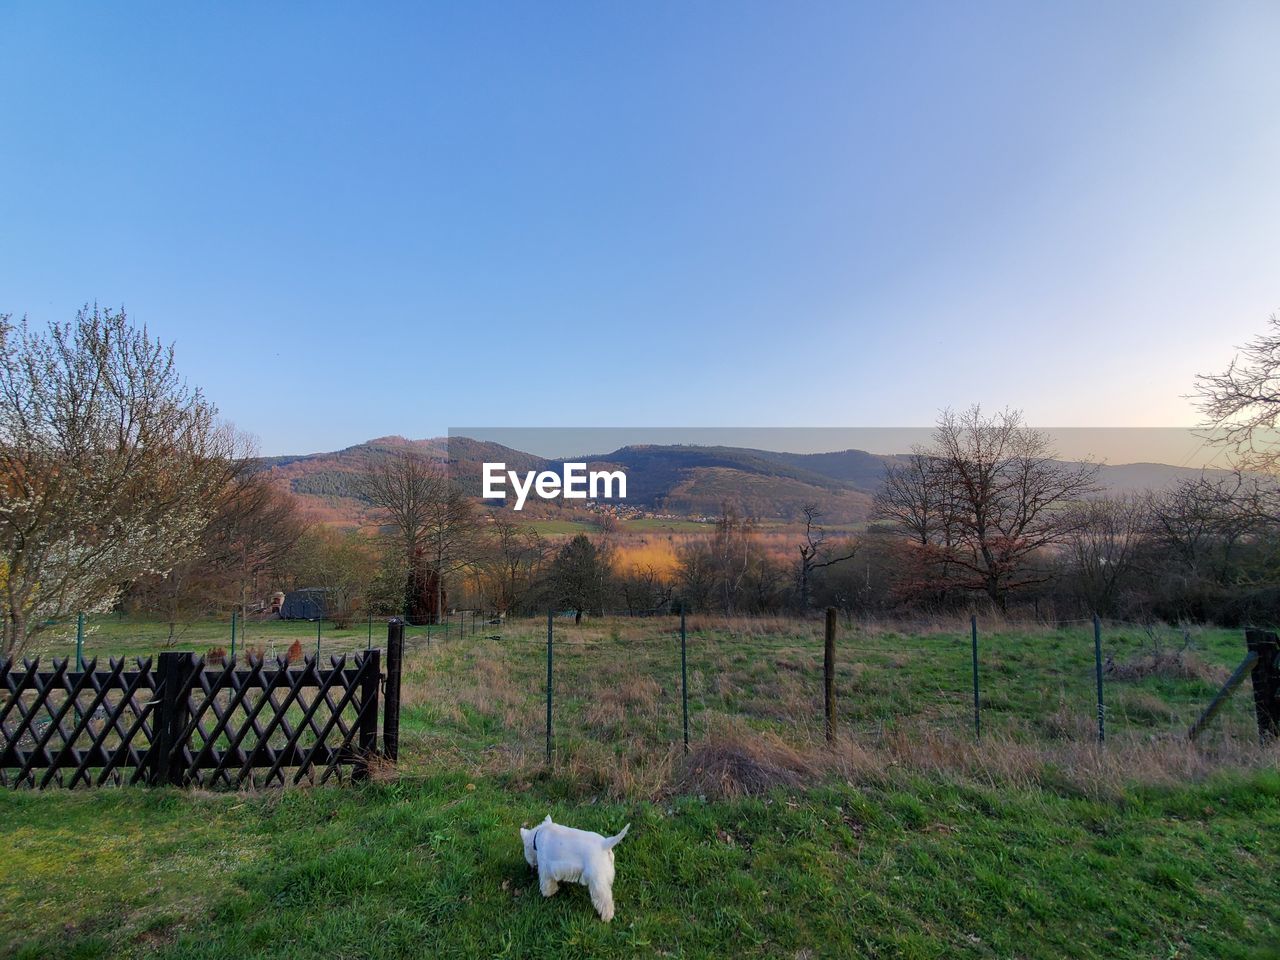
x=682, y=480
x=328, y=484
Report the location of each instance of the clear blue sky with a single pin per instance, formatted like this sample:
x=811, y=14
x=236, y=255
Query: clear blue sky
x=362, y=219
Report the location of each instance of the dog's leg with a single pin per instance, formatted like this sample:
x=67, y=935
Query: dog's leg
x=602, y=898
x=547, y=883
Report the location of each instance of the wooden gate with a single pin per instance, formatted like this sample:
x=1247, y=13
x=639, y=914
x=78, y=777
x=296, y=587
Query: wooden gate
x=177, y=720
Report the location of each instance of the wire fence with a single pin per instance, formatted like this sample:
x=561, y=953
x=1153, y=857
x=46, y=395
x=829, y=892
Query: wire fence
x=550, y=685
x=559, y=688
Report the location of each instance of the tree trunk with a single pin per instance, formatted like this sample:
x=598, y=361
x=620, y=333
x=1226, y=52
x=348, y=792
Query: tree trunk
x=17, y=633
x=577, y=617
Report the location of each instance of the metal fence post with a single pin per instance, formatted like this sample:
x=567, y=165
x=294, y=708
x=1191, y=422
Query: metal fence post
x=391, y=712
x=550, y=631
x=1097, y=669
x=684, y=678
x=977, y=711
x=829, y=675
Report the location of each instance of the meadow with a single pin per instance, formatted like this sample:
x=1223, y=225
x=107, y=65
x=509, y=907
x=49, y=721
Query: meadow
x=907, y=837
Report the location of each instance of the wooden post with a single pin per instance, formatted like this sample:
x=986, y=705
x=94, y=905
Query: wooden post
x=550, y=629
x=1228, y=688
x=1266, y=682
x=368, y=742
x=829, y=675
x=977, y=710
x=318, y=624
x=684, y=679
x=1097, y=669
x=80, y=642
x=233, y=635
x=391, y=712
x=170, y=718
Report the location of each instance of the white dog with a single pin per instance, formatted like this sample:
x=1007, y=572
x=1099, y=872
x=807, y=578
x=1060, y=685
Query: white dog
x=564, y=855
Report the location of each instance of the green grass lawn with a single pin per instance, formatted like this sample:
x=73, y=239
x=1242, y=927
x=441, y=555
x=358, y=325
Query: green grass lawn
x=429, y=868
x=906, y=838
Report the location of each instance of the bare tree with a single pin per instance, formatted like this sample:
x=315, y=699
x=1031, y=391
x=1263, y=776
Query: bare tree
x=1103, y=546
x=404, y=489
x=1241, y=405
x=817, y=553
x=407, y=492
x=732, y=553
x=1005, y=495
x=110, y=466
x=1202, y=524
x=511, y=564
x=253, y=529
x=452, y=540
x=917, y=497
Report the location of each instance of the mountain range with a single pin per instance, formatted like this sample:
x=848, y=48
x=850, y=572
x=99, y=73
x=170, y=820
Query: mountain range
x=681, y=481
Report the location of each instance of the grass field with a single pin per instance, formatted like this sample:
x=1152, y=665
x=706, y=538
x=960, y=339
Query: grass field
x=905, y=838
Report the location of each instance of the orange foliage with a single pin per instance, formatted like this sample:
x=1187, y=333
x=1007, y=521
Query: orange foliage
x=633, y=555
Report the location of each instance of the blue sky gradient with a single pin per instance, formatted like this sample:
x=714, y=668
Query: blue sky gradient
x=357, y=221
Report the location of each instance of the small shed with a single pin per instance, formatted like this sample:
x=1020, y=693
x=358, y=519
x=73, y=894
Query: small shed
x=310, y=603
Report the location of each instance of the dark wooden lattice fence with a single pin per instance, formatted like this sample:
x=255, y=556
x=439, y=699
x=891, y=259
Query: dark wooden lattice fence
x=177, y=720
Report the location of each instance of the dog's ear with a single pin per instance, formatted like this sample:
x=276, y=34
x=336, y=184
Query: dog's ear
x=524, y=834
x=548, y=820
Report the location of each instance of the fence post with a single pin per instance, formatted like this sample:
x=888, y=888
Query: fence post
x=550, y=630
x=829, y=675
x=319, y=622
x=1097, y=669
x=368, y=743
x=370, y=646
x=684, y=679
x=233, y=634
x=170, y=718
x=1266, y=682
x=391, y=712
x=80, y=642
x=977, y=711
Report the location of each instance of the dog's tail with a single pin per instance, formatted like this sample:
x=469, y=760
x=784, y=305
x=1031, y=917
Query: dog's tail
x=611, y=842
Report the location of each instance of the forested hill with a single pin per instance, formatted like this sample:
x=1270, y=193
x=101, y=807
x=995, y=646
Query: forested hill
x=680, y=480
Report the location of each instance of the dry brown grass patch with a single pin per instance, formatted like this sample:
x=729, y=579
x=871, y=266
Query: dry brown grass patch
x=736, y=762
x=1170, y=665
